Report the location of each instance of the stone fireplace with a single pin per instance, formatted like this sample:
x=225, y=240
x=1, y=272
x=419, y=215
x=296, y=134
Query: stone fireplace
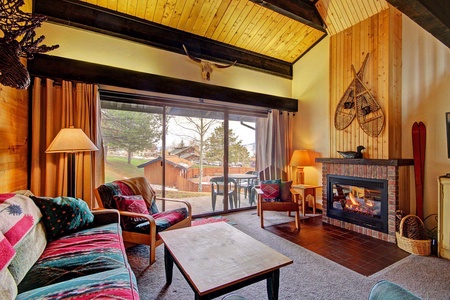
x=362, y=195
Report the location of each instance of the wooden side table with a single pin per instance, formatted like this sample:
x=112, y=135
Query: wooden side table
x=302, y=191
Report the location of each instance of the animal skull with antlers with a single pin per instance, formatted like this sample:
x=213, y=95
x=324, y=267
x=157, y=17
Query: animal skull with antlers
x=15, y=23
x=207, y=66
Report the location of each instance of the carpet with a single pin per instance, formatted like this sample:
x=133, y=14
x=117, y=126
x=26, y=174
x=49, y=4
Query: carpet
x=311, y=276
x=201, y=221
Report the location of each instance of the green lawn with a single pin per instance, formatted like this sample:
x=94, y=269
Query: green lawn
x=117, y=167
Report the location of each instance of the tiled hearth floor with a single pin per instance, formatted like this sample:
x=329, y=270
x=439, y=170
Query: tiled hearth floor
x=358, y=252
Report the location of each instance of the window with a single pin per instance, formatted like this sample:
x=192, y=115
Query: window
x=179, y=148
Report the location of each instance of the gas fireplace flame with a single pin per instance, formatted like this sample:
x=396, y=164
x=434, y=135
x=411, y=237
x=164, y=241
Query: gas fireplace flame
x=353, y=200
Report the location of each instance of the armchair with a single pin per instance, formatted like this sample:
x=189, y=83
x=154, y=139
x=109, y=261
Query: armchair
x=141, y=221
x=269, y=199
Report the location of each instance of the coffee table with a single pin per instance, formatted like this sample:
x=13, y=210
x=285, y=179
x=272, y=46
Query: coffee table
x=217, y=258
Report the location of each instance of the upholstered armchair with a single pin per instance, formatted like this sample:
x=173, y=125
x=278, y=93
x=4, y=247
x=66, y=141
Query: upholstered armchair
x=141, y=220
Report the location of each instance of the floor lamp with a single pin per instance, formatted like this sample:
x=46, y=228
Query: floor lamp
x=300, y=159
x=71, y=140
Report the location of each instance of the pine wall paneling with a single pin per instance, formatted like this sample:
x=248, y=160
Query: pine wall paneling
x=14, y=136
x=380, y=36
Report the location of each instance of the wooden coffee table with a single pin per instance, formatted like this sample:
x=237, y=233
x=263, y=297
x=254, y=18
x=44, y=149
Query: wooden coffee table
x=217, y=258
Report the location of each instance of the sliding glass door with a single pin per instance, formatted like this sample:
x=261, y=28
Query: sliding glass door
x=204, y=156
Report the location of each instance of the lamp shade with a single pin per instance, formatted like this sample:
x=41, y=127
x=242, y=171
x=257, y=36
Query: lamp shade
x=71, y=140
x=300, y=158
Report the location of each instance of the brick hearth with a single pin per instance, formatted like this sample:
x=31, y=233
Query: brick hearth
x=385, y=169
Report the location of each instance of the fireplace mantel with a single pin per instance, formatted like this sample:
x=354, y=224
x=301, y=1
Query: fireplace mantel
x=363, y=161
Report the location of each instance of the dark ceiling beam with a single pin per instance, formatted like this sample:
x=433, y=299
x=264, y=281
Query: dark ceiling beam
x=431, y=15
x=90, y=17
x=68, y=69
x=300, y=11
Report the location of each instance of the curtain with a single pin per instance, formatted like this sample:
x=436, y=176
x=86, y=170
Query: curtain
x=57, y=106
x=274, y=140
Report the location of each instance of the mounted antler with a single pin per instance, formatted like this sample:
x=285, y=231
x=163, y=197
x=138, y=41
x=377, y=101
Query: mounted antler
x=15, y=23
x=207, y=66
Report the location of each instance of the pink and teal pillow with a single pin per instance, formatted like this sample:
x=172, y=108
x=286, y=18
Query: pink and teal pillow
x=63, y=215
x=131, y=203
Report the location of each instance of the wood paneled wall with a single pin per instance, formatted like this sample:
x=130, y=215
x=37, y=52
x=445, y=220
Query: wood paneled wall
x=14, y=139
x=380, y=36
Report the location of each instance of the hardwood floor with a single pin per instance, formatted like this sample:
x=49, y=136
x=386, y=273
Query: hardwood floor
x=358, y=252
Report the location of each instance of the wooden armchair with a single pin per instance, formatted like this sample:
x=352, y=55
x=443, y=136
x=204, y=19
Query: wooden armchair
x=272, y=173
x=141, y=225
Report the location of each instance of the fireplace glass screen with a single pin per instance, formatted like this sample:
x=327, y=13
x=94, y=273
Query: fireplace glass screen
x=359, y=201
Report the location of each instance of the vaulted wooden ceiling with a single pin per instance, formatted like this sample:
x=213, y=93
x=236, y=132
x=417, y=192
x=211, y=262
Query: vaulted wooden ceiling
x=267, y=35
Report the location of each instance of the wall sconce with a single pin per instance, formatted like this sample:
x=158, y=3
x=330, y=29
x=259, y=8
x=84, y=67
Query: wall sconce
x=71, y=140
x=300, y=159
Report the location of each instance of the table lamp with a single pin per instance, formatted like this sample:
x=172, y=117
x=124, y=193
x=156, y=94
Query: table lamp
x=71, y=140
x=300, y=159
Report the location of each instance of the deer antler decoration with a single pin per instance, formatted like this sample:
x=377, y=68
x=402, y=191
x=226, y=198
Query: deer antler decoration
x=18, y=41
x=207, y=66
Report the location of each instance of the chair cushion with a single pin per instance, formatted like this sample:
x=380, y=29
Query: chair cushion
x=271, y=189
x=63, y=215
x=285, y=191
x=163, y=220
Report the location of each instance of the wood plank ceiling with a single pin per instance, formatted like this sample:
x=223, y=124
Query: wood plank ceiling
x=267, y=36
x=239, y=23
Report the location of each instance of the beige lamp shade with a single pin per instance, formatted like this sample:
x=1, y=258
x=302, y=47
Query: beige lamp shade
x=300, y=158
x=71, y=140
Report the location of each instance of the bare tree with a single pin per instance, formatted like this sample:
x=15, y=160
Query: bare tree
x=195, y=131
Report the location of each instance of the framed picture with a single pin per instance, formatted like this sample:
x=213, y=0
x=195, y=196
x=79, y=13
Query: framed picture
x=447, y=121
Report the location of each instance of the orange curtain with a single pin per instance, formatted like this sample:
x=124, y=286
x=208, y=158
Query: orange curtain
x=274, y=140
x=56, y=106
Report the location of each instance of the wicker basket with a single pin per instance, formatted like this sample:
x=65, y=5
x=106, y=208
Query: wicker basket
x=420, y=246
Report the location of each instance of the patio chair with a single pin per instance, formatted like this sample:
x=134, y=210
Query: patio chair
x=141, y=220
x=217, y=188
x=247, y=185
x=274, y=194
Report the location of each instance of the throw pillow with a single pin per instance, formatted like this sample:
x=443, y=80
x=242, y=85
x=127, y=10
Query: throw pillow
x=271, y=189
x=131, y=203
x=285, y=190
x=63, y=215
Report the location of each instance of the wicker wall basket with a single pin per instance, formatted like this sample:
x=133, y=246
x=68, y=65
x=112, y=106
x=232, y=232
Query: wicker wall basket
x=411, y=236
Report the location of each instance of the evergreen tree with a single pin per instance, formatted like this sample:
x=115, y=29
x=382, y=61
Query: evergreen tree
x=130, y=131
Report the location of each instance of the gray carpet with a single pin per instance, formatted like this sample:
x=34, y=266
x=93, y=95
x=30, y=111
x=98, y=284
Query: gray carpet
x=311, y=276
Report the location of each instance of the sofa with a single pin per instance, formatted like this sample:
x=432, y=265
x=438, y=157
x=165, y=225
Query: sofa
x=56, y=248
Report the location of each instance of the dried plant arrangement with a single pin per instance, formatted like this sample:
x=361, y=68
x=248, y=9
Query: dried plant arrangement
x=18, y=41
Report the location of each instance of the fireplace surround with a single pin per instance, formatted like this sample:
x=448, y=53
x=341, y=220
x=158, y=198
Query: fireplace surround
x=387, y=180
x=360, y=201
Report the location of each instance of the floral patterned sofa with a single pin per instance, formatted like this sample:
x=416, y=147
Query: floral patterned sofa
x=54, y=248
